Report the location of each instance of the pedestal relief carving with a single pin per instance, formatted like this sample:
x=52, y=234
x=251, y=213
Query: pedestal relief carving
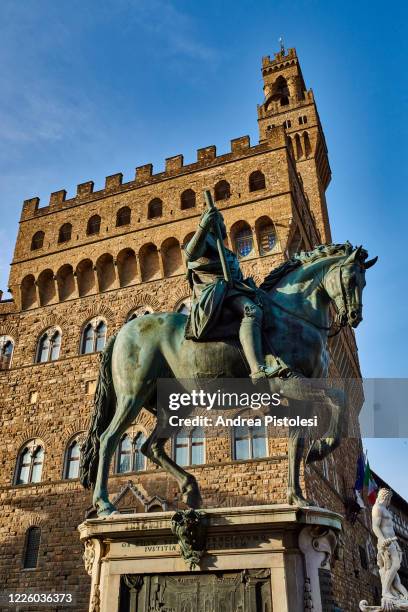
x=320, y=547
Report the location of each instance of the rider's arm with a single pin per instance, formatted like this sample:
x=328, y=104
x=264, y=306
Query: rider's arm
x=196, y=247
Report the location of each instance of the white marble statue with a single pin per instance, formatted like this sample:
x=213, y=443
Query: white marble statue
x=389, y=556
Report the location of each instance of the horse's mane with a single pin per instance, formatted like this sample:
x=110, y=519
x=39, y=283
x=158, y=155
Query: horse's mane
x=303, y=258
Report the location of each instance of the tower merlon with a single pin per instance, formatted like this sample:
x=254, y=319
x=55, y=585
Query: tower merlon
x=85, y=189
x=30, y=207
x=114, y=181
x=206, y=154
x=143, y=173
x=174, y=163
x=238, y=145
x=57, y=197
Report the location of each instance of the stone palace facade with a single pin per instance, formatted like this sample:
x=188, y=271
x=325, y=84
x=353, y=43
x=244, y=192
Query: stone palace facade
x=83, y=266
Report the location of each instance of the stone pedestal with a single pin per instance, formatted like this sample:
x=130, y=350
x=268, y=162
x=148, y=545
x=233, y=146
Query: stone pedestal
x=257, y=558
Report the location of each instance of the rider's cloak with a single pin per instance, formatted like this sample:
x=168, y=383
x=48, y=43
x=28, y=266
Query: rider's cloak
x=211, y=293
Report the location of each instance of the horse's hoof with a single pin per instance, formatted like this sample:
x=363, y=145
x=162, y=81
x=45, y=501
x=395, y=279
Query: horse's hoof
x=321, y=449
x=297, y=499
x=105, y=509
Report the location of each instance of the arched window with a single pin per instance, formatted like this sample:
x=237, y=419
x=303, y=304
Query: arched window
x=243, y=240
x=86, y=277
x=184, y=306
x=306, y=142
x=256, y=181
x=250, y=442
x=130, y=457
x=127, y=267
x=287, y=124
x=37, y=240
x=123, y=216
x=46, y=287
x=94, y=225
x=31, y=547
x=189, y=448
x=222, y=191
x=187, y=199
x=266, y=235
x=171, y=257
x=65, y=282
x=139, y=312
x=298, y=145
x=155, y=209
x=6, y=352
x=93, y=336
x=280, y=91
x=49, y=346
x=30, y=463
x=149, y=262
x=73, y=454
x=65, y=233
x=302, y=120
x=105, y=271
x=28, y=292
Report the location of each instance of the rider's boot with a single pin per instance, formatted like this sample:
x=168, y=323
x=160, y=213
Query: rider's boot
x=250, y=335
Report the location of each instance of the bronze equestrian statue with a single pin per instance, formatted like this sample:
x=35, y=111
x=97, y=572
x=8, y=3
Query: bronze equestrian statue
x=292, y=306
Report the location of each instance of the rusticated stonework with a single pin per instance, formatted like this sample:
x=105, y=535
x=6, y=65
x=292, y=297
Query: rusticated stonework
x=103, y=255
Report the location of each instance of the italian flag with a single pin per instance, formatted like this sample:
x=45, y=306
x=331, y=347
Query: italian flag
x=371, y=485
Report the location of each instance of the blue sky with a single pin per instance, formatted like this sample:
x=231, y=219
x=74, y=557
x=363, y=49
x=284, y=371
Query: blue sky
x=92, y=88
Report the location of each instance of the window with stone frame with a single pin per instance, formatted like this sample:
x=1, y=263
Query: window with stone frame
x=73, y=456
x=37, y=241
x=6, y=352
x=243, y=242
x=65, y=233
x=123, y=216
x=222, y=191
x=141, y=311
x=187, y=199
x=129, y=456
x=49, y=344
x=155, y=209
x=256, y=181
x=94, y=225
x=189, y=447
x=31, y=547
x=266, y=235
x=250, y=442
x=183, y=306
x=30, y=463
x=94, y=336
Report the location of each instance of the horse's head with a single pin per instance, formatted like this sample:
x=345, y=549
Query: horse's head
x=345, y=282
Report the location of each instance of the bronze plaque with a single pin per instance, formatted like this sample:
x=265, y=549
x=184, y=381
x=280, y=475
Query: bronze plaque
x=243, y=591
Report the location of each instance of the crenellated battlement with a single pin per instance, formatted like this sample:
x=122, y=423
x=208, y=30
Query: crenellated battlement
x=279, y=60
x=144, y=175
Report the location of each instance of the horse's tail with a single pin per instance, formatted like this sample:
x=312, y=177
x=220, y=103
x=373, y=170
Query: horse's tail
x=104, y=409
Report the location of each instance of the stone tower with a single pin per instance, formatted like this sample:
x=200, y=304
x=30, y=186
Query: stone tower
x=288, y=103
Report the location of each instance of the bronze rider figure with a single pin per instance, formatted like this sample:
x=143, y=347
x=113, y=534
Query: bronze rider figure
x=208, y=264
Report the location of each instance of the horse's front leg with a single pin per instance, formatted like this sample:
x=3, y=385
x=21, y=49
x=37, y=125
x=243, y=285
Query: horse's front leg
x=321, y=448
x=126, y=411
x=153, y=448
x=296, y=445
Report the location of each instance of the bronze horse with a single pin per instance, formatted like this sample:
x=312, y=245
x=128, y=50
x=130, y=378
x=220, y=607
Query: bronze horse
x=300, y=293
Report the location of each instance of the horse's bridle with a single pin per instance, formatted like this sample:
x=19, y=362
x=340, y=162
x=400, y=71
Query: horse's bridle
x=340, y=320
